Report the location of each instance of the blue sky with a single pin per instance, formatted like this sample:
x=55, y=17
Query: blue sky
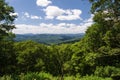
x=51, y=16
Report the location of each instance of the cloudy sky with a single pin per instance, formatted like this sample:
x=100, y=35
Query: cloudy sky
x=51, y=16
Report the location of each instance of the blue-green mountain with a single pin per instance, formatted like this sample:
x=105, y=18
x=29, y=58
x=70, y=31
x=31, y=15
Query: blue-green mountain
x=50, y=38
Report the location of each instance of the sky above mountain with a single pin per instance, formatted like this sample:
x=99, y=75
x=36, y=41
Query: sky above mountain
x=51, y=16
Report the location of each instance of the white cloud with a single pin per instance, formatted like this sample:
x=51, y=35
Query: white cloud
x=14, y=14
x=43, y=3
x=54, y=12
x=35, y=17
x=72, y=15
x=61, y=28
x=27, y=15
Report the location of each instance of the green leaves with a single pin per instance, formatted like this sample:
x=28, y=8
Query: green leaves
x=106, y=71
x=6, y=19
x=30, y=55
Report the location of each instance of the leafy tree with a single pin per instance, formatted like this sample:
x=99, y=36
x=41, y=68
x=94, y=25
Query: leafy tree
x=64, y=57
x=7, y=58
x=110, y=7
x=103, y=36
x=7, y=17
x=30, y=56
x=100, y=45
x=60, y=56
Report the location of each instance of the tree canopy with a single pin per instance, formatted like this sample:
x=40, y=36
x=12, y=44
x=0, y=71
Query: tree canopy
x=7, y=17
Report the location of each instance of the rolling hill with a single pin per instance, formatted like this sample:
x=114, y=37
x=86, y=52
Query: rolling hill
x=50, y=38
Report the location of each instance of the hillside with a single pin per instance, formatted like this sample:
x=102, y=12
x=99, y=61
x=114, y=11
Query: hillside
x=50, y=38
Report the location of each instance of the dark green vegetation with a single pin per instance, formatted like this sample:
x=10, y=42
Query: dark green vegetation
x=95, y=57
x=50, y=38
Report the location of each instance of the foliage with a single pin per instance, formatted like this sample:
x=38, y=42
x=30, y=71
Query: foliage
x=94, y=78
x=47, y=76
x=7, y=61
x=6, y=77
x=30, y=56
x=29, y=76
x=107, y=71
x=6, y=19
x=36, y=76
x=7, y=58
x=58, y=59
x=97, y=53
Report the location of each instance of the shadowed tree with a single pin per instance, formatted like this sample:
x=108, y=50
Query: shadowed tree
x=7, y=17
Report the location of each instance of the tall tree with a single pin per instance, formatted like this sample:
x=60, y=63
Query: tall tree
x=7, y=17
x=107, y=15
x=101, y=43
x=30, y=55
x=109, y=7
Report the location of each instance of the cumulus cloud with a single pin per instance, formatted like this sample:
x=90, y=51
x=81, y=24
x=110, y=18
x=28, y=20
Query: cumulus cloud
x=43, y=3
x=61, y=28
x=72, y=15
x=54, y=12
x=27, y=15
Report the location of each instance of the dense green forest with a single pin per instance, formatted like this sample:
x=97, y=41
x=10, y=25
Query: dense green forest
x=95, y=57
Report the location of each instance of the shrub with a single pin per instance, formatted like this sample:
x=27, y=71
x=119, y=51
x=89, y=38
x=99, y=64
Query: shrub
x=71, y=78
x=36, y=76
x=6, y=77
x=94, y=78
x=106, y=71
x=46, y=76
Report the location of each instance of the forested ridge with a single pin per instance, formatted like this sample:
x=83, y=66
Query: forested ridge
x=95, y=57
x=50, y=39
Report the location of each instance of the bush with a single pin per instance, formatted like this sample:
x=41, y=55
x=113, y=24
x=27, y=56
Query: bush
x=6, y=77
x=46, y=76
x=94, y=78
x=29, y=76
x=36, y=76
x=71, y=78
x=86, y=78
x=106, y=71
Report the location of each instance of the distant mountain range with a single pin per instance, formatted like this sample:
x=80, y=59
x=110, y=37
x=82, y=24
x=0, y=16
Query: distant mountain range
x=50, y=38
